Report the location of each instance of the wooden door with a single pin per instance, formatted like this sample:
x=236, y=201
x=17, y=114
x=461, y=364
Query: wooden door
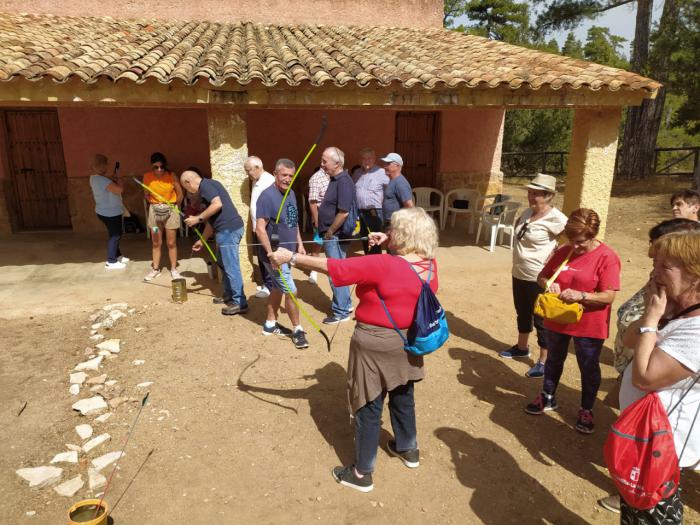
x=416, y=140
x=37, y=170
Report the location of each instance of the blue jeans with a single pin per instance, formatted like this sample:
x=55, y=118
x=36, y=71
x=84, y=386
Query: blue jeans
x=228, y=242
x=588, y=357
x=368, y=424
x=341, y=303
x=114, y=232
x=285, y=286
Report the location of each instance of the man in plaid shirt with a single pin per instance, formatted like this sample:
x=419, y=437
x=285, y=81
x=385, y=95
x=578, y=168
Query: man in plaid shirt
x=318, y=184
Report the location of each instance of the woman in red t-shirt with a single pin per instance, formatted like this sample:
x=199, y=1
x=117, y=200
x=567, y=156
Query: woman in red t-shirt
x=378, y=363
x=590, y=276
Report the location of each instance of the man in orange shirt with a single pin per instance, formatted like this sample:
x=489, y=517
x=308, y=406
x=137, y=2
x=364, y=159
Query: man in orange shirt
x=162, y=217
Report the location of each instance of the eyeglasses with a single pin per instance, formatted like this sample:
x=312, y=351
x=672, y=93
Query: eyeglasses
x=523, y=231
x=158, y=167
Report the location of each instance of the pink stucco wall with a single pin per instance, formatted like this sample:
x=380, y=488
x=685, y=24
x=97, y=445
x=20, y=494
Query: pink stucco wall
x=399, y=13
x=471, y=140
x=289, y=133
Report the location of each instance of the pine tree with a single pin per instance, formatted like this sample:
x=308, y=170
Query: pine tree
x=572, y=47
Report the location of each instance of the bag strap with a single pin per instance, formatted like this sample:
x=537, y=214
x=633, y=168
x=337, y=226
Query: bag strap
x=553, y=278
x=391, y=319
x=685, y=394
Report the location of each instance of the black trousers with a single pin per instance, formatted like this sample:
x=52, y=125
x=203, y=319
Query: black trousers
x=371, y=221
x=114, y=232
x=264, y=275
x=524, y=295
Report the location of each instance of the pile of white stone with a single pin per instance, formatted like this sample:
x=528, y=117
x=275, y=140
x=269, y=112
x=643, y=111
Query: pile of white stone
x=103, y=396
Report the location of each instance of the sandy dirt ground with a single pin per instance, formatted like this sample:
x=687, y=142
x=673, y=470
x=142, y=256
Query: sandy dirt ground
x=246, y=429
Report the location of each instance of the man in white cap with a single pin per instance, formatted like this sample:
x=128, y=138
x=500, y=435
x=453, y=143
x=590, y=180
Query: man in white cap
x=398, y=193
x=261, y=180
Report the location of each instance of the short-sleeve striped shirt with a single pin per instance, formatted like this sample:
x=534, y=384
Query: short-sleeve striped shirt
x=318, y=184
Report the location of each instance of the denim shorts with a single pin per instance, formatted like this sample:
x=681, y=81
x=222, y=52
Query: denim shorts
x=277, y=280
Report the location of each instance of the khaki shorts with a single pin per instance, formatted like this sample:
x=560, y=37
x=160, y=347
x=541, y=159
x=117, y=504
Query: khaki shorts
x=172, y=222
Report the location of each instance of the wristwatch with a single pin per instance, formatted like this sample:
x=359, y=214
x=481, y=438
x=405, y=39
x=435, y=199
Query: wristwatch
x=200, y=218
x=293, y=260
x=647, y=329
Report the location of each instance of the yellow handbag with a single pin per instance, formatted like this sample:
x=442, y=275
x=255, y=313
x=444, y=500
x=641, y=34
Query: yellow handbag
x=550, y=307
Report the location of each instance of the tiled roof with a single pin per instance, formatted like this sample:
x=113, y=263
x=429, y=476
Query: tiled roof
x=57, y=47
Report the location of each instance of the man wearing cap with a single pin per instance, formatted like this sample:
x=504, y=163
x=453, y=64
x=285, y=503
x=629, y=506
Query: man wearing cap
x=261, y=180
x=398, y=193
x=333, y=212
x=369, y=190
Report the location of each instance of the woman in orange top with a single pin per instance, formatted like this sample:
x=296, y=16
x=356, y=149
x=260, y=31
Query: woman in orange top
x=161, y=217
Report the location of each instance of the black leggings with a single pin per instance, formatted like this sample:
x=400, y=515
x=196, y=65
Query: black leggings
x=524, y=295
x=114, y=232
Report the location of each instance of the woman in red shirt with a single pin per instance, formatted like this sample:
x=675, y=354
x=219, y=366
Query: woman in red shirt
x=378, y=363
x=590, y=275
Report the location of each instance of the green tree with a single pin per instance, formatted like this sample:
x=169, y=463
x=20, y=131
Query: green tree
x=603, y=48
x=495, y=19
x=572, y=47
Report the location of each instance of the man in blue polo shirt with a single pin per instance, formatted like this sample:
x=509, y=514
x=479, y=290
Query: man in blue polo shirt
x=398, y=193
x=338, y=202
x=222, y=219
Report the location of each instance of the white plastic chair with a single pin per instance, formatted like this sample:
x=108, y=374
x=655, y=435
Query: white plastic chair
x=422, y=199
x=499, y=223
x=474, y=199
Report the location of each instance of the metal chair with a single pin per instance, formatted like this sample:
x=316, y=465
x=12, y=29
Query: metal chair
x=498, y=223
x=473, y=199
x=423, y=199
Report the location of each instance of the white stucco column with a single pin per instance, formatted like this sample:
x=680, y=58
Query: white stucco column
x=591, y=164
x=228, y=149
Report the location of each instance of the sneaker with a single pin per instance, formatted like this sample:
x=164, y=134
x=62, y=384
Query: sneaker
x=611, y=503
x=410, y=458
x=584, y=422
x=174, y=274
x=123, y=259
x=262, y=292
x=152, y=274
x=277, y=330
x=313, y=277
x=542, y=403
x=334, y=319
x=115, y=265
x=536, y=371
x=515, y=353
x=299, y=339
x=346, y=476
x=233, y=309
x=221, y=300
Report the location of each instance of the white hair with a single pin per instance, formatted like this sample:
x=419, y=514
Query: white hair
x=337, y=155
x=254, y=161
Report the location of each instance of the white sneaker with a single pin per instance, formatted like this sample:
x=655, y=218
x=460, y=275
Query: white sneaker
x=262, y=292
x=313, y=277
x=151, y=274
x=123, y=259
x=115, y=265
x=174, y=274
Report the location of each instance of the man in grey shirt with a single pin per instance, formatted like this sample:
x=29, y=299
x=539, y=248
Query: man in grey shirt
x=369, y=192
x=398, y=193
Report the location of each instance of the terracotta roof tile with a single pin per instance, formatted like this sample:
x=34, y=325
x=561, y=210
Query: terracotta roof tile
x=36, y=46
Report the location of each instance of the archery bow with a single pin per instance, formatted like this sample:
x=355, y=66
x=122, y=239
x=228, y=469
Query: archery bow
x=274, y=238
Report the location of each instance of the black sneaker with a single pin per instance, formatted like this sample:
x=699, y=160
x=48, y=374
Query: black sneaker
x=233, y=309
x=221, y=300
x=410, y=458
x=277, y=330
x=584, y=422
x=346, y=476
x=515, y=353
x=299, y=339
x=542, y=403
x=334, y=319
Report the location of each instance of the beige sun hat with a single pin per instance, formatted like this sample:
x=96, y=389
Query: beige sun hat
x=543, y=182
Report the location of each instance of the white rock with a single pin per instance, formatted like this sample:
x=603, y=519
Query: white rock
x=97, y=380
x=30, y=513
x=90, y=405
x=145, y=384
x=110, y=344
x=95, y=316
x=103, y=417
x=95, y=479
x=138, y=362
x=108, y=323
x=104, y=353
x=115, y=306
x=105, y=460
x=84, y=431
x=96, y=326
x=92, y=364
x=71, y=446
x=70, y=487
x=96, y=442
x=65, y=457
x=78, y=378
x=116, y=314
x=74, y=390
x=96, y=338
x=138, y=329
x=131, y=310
x=96, y=388
x=111, y=382
x=93, y=332
x=39, y=477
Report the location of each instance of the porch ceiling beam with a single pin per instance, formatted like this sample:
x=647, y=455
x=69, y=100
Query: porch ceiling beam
x=20, y=92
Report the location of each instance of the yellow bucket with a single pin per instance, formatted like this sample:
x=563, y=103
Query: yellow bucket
x=82, y=513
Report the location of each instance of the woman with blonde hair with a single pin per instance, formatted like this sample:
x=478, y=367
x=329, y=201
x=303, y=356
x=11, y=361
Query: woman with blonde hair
x=378, y=364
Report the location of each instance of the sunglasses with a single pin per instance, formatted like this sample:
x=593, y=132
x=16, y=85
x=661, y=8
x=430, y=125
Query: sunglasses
x=522, y=231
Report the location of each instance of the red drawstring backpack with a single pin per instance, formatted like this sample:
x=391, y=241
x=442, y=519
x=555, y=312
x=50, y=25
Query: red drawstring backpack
x=640, y=453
